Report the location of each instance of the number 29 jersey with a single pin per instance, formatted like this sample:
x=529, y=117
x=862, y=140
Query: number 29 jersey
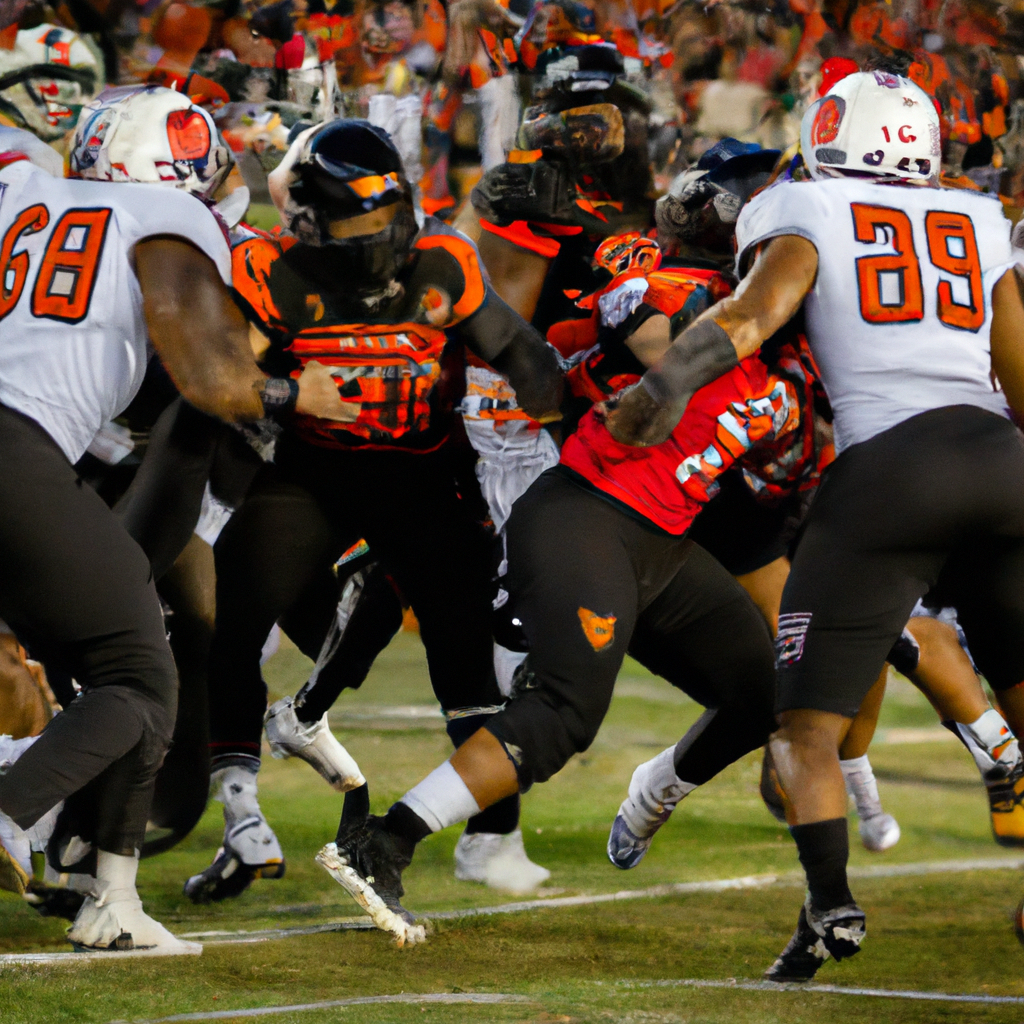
x=898, y=319
x=73, y=342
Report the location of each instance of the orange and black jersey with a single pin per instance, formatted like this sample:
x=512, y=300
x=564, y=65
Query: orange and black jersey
x=397, y=364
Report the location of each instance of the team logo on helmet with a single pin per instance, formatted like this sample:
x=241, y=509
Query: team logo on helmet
x=827, y=120
x=92, y=135
x=188, y=134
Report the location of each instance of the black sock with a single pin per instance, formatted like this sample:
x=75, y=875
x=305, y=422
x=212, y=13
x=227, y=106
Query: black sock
x=356, y=806
x=824, y=849
x=502, y=817
x=405, y=824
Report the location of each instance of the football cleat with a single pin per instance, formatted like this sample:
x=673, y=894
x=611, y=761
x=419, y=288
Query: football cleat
x=1006, y=806
x=368, y=862
x=112, y=919
x=654, y=791
x=315, y=744
x=116, y=922
x=879, y=832
x=250, y=848
x=499, y=861
x=837, y=933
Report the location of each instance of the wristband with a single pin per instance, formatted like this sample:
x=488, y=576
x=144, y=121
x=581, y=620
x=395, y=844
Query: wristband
x=701, y=354
x=280, y=395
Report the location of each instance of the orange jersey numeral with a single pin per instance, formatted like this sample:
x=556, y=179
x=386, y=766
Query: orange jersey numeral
x=956, y=228
x=14, y=269
x=68, y=273
x=890, y=285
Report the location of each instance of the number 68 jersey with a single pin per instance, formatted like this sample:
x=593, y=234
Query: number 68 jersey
x=73, y=343
x=899, y=315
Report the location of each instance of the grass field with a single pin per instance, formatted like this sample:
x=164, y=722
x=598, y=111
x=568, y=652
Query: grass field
x=614, y=961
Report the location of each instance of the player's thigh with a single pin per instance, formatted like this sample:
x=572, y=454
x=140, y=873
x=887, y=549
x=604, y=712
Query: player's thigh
x=71, y=574
x=270, y=550
x=987, y=587
x=705, y=635
x=842, y=610
x=572, y=586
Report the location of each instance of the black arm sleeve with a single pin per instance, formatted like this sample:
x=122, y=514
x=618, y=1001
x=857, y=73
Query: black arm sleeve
x=501, y=337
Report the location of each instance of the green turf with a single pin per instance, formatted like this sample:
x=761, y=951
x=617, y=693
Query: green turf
x=939, y=933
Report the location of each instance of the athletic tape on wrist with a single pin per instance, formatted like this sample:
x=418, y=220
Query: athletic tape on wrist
x=701, y=354
x=280, y=395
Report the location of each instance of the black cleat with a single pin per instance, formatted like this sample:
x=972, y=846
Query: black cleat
x=228, y=877
x=368, y=861
x=837, y=933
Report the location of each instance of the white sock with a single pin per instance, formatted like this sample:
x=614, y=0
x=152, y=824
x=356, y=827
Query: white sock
x=235, y=787
x=861, y=785
x=115, y=876
x=442, y=799
x=654, y=791
x=992, y=745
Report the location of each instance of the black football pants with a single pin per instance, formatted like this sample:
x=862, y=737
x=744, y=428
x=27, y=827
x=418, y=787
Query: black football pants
x=589, y=582
x=80, y=592
x=300, y=515
x=935, y=500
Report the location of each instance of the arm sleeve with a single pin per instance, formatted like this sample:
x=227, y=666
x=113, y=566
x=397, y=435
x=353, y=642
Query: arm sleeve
x=502, y=338
x=160, y=212
x=779, y=211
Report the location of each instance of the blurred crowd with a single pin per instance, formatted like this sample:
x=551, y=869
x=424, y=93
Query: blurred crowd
x=450, y=82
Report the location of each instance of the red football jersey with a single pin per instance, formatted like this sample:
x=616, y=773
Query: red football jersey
x=669, y=483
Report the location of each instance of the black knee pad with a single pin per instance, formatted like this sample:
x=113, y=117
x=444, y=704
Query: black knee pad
x=905, y=653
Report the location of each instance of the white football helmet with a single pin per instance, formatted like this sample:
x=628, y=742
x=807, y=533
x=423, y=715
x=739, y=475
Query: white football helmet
x=872, y=124
x=149, y=134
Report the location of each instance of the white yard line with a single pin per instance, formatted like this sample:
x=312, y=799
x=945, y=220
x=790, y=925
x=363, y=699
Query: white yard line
x=652, y=892
x=333, y=1004
x=790, y=879
x=837, y=990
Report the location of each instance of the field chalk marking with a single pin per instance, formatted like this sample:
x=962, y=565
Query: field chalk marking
x=493, y=998
x=333, y=1004
x=837, y=990
x=653, y=892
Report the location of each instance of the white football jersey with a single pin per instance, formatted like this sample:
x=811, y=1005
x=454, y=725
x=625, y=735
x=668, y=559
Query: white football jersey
x=73, y=344
x=899, y=316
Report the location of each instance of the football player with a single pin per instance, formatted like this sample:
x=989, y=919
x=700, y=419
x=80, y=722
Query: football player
x=94, y=272
x=913, y=316
x=358, y=286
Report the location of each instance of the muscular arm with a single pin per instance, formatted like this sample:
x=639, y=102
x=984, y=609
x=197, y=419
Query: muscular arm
x=650, y=341
x=501, y=337
x=203, y=339
x=197, y=330
x=1007, y=339
x=783, y=273
x=516, y=274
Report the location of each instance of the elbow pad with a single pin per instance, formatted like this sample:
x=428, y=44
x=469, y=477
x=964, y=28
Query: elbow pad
x=701, y=354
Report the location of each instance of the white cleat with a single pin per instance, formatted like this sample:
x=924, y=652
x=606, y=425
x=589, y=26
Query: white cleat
x=315, y=744
x=336, y=864
x=654, y=792
x=112, y=918
x=879, y=832
x=250, y=850
x=499, y=861
x=119, y=923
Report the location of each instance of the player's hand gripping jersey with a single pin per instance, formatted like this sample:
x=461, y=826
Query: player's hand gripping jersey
x=899, y=316
x=73, y=344
x=397, y=369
